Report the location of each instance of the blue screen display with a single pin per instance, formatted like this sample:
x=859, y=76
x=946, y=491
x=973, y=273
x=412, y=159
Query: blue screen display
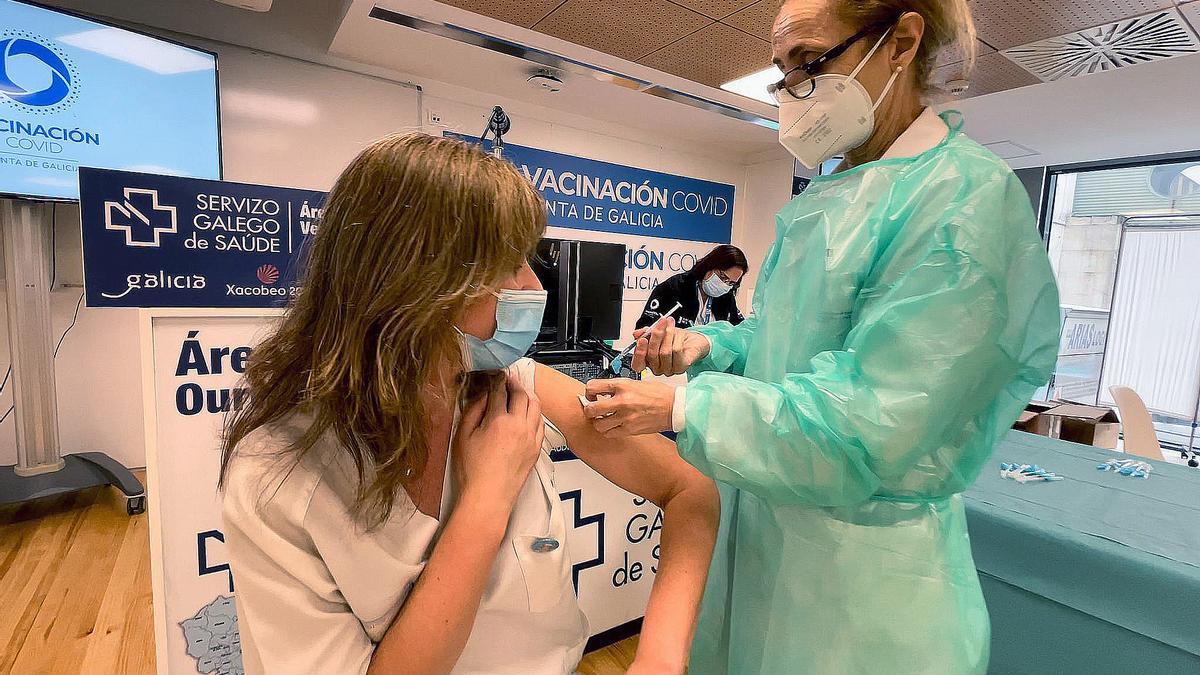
x=78, y=93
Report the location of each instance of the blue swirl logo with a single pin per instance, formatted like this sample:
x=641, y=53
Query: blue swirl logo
x=11, y=51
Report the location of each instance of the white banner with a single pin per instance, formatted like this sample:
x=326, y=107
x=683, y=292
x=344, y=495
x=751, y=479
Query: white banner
x=196, y=366
x=613, y=543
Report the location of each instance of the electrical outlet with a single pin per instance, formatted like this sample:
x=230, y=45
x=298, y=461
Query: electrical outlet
x=435, y=118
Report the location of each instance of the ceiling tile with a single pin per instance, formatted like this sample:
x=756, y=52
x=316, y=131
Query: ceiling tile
x=1010, y=150
x=756, y=19
x=712, y=56
x=522, y=13
x=993, y=72
x=1008, y=23
x=953, y=56
x=629, y=29
x=1191, y=12
x=716, y=9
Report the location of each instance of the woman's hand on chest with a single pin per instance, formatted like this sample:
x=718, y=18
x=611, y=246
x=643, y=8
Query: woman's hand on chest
x=498, y=442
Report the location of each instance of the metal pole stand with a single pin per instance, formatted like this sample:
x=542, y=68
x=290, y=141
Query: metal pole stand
x=41, y=470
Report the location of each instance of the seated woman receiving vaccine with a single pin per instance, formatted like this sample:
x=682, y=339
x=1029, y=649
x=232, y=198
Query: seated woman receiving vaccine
x=389, y=500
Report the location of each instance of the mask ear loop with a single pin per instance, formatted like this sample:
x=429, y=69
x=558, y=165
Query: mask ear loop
x=862, y=64
x=879, y=43
x=891, y=81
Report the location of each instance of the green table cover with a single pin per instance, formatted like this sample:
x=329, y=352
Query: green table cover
x=1096, y=573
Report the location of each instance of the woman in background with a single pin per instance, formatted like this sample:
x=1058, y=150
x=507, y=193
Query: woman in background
x=705, y=293
x=389, y=499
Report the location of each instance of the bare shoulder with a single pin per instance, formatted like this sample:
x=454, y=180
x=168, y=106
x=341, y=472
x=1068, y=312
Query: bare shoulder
x=559, y=396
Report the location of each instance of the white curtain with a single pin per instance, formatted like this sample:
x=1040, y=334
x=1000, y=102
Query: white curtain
x=1154, y=333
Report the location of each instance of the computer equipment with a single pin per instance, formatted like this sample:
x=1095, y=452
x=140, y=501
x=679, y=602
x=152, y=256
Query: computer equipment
x=600, y=290
x=581, y=365
x=584, y=281
x=549, y=264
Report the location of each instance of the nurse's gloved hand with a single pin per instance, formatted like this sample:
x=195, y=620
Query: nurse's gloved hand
x=627, y=408
x=498, y=441
x=666, y=349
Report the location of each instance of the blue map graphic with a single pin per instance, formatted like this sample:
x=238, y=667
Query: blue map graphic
x=213, y=640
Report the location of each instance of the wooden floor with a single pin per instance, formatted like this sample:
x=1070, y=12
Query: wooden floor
x=75, y=590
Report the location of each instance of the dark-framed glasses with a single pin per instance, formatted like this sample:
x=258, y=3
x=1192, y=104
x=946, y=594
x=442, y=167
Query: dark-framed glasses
x=725, y=277
x=798, y=82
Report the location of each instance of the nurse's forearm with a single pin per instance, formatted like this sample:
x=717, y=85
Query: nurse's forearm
x=690, y=519
x=429, y=633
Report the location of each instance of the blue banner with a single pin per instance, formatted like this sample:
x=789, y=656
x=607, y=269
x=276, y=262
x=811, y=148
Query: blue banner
x=167, y=241
x=587, y=194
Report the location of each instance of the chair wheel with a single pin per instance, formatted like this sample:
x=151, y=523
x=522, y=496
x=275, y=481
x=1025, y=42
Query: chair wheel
x=135, y=505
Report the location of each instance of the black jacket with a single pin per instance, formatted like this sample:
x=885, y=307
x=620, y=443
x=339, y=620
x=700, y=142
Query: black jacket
x=683, y=288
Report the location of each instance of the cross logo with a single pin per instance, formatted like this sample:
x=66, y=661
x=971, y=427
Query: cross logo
x=141, y=218
x=578, y=520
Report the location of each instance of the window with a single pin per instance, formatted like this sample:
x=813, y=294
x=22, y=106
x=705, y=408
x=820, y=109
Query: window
x=1125, y=246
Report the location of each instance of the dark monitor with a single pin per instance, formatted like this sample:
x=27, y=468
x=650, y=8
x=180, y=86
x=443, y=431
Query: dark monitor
x=584, y=282
x=601, y=288
x=548, y=265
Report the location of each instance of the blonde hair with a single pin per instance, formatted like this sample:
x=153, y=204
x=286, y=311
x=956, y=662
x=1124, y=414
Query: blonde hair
x=414, y=230
x=949, y=28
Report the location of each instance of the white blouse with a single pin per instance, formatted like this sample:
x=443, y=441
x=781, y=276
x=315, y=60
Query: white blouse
x=315, y=592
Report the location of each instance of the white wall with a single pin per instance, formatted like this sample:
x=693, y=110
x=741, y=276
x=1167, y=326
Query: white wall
x=1129, y=112
x=293, y=123
x=296, y=124
x=768, y=188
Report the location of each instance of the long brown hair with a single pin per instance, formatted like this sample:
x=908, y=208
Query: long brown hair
x=414, y=230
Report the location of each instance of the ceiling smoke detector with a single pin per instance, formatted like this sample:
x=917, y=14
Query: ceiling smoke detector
x=1129, y=42
x=546, y=80
x=957, y=87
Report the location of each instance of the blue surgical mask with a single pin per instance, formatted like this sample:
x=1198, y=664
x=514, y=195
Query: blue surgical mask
x=518, y=320
x=715, y=286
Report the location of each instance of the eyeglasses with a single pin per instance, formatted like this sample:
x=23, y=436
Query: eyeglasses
x=724, y=277
x=803, y=88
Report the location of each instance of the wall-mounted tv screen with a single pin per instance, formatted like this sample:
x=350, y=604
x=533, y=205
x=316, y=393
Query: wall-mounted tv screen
x=75, y=92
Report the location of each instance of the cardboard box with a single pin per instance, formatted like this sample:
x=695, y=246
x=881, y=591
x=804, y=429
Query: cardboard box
x=1086, y=424
x=1033, y=419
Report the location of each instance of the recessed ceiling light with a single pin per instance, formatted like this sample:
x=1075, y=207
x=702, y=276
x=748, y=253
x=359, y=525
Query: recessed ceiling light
x=754, y=85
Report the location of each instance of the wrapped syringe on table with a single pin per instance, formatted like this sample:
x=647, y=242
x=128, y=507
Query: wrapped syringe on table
x=1127, y=467
x=1026, y=473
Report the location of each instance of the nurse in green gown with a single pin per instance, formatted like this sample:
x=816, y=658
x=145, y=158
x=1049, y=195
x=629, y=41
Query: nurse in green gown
x=904, y=316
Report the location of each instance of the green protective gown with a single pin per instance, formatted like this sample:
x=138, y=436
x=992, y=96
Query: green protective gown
x=904, y=316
